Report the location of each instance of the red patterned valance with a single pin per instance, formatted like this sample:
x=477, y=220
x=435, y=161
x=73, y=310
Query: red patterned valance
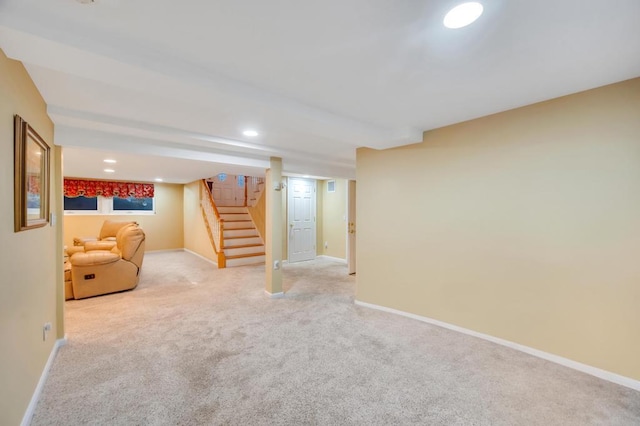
x=92, y=188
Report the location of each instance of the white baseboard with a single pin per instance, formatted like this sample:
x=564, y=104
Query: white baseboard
x=163, y=251
x=335, y=259
x=26, y=419
x=200, y=256
x=601, y=374
x=279, y=295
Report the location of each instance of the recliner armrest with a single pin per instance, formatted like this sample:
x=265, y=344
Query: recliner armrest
x=96, y=257
x=99, y=245
x=74, y=249
x=80, y=241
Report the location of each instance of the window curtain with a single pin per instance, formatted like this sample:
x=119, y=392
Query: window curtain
x=92, y=188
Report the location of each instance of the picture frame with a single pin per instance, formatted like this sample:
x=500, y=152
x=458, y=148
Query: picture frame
x=31, y=177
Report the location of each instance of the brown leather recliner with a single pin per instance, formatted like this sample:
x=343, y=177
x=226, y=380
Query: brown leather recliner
x=96, y=272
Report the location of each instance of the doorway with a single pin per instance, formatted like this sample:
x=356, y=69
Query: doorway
x=301, y=216
x=351, y=227
x=228, y=190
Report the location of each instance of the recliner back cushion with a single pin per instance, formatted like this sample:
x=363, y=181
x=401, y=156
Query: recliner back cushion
x=128, y=240
x=110, y=228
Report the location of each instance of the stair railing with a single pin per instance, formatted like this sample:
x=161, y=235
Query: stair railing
x=213, y=222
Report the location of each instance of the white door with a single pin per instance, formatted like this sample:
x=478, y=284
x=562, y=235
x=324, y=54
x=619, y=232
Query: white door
x=228, y=190
x=351, y=227
x=302, y=219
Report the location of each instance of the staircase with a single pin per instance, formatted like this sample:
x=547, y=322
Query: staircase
x=242, y=243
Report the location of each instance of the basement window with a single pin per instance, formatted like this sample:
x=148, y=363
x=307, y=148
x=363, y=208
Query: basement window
x=104, y=197
x=108, y=206
x=331, y=186
x=80, y=204
x=131, y=204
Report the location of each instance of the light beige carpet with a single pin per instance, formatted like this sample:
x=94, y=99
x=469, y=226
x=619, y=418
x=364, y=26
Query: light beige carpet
x=193, y=345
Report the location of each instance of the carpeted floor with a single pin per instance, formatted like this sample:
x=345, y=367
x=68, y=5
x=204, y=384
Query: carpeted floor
x=194, y=345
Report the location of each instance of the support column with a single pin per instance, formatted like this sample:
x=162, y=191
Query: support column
x=273, y=228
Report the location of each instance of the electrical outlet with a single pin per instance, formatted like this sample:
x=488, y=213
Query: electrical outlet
x=276, y=265
x=326, y=244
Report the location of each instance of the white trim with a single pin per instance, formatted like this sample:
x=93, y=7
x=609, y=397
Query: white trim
x=279, y=295
x=164, y=251
x=335, y=259
x=200, y=256
x=31, y=408
x=593, y=371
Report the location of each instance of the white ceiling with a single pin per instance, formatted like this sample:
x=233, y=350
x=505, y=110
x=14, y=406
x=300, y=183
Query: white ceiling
x=169, y=86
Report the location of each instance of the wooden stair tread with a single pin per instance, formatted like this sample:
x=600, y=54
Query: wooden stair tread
x=240, y=256
x=233, y=220
x=237, y=238
x=243, y=246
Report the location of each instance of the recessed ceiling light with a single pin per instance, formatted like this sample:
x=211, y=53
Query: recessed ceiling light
x=463, y=15
x=110, y=161
x=109, y=170
x=158, y=179
x=250, y=133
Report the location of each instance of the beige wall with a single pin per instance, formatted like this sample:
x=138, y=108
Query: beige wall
x=163, y=230
x=334, y=224
x=196, y=237
x=523, y=225
x=30, y=262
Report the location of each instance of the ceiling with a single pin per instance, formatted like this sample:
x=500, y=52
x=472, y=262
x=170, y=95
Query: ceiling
x=168, y=87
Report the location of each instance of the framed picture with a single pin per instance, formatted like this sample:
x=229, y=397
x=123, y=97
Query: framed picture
x=31, y=177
